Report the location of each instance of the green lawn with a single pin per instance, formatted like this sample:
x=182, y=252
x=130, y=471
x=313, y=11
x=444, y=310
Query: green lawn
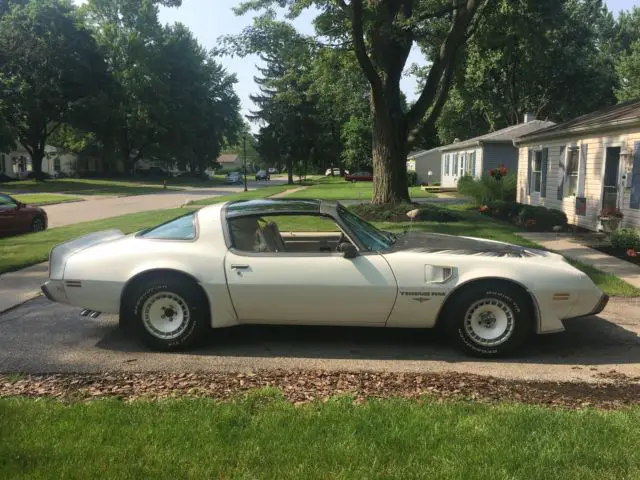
x=262, y=436
x=248, y=195
x=80, y=186
x=43, y=198
x=339, y=189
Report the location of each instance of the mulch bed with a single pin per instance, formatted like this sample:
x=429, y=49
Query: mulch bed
x=620, y=253
x=616, y=390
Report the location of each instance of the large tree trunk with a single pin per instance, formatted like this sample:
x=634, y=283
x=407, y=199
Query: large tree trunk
x=37, y=159
x=390, y=181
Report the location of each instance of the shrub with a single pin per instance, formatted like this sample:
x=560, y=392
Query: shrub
x=489, y=188
x=541, y=219
x=436, y=184
x=412, y=178
x=503, y=209
x=398, y=213
x=625, y=238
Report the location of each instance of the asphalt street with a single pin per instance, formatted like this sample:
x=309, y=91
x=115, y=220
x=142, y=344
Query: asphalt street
x=42, y=337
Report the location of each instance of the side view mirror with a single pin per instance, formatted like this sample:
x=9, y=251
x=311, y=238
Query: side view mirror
x=20, y=205
x=348, y=249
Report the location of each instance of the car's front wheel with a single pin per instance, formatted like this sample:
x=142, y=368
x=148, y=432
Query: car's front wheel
x=490, y=319
x=38, y=224
x=167, y=313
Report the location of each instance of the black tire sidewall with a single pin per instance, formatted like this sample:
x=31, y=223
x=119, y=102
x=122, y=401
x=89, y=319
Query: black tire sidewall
x=520, y=305
x=197, y=305
x=33, y=223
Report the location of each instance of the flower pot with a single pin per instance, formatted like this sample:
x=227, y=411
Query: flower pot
x=610, y=224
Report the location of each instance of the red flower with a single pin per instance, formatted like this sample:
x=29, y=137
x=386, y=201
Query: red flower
x=492, y=172
x=484, y=208
x=632, y=253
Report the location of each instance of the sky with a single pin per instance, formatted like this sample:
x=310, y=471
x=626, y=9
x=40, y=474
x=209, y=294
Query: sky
x=209, y=19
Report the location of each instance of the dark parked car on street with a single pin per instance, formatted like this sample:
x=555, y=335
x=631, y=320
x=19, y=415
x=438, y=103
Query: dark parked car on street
x=359, y=177
x=262, y=175
x=16, y=217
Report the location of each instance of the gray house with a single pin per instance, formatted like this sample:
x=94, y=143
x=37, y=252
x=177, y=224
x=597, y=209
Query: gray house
x=478, y=155
x=425, y=162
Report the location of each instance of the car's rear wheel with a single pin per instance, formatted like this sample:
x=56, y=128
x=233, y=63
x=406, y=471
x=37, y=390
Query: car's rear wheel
x=490, y=319
x=38, y=224
x=167, y=313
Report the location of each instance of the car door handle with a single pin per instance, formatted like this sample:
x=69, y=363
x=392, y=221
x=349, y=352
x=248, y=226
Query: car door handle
x=239, y=267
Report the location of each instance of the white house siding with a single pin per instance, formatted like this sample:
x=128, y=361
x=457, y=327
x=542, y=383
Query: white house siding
x=596, y=149
x=449, y=176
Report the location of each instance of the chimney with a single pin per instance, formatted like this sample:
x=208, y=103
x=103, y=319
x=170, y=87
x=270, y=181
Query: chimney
x=528, y=117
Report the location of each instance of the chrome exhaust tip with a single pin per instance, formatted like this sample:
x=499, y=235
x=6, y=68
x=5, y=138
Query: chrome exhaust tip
x=94, y=314
x=85, y=312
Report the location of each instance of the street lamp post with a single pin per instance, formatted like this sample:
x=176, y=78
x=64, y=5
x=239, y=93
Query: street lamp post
x=244, y=148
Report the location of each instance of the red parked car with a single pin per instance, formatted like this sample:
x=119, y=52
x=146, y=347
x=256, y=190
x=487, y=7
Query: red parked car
x=16, y=217
x=359, y=177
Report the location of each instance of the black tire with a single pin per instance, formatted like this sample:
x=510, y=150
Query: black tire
x=38, y=224
x=503, y=305
x=192, y=304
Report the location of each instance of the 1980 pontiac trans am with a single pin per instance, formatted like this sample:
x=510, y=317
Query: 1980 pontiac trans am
x=256, y=262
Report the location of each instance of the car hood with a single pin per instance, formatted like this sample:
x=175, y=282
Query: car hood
x=455, y=245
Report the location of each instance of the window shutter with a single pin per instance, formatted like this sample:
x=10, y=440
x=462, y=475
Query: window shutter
x=529, y=176
x=582, y=170
x=543, y=175
x=635, y=178
x=563, y=152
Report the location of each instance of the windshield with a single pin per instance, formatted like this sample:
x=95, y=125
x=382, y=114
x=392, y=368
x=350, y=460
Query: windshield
x=372, y=238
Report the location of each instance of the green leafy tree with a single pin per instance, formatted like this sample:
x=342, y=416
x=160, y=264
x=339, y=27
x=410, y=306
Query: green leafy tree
x=381, y=34
x=50, y=72
x=628, y=69
x=544, y=57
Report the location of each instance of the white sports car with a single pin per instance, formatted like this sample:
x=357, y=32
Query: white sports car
x=279, y=261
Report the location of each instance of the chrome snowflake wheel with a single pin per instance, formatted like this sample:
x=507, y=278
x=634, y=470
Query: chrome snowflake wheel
x=165, y=315
x=489, y=322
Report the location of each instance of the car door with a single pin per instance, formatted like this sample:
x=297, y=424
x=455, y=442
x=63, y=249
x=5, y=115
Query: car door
x=9, y=215
x=303, y=288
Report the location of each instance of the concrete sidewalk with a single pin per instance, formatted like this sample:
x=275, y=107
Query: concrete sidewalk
x=576, y=249
x=18, y=287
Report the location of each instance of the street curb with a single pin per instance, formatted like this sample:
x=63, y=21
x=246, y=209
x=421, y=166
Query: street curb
x=35, y=294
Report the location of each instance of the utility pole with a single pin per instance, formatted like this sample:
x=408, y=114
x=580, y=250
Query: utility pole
x=244, y=147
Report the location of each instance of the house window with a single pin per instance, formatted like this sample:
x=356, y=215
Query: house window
x=455, y=164
x=56, y=164
x=536, y=172
x=571, y=172
x=446, y=164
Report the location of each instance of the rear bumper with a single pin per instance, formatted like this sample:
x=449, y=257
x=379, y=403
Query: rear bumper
x=54, y=290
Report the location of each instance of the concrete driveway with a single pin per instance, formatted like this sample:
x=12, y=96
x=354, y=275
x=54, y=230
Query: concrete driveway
x=41, y=337
x=98, y=208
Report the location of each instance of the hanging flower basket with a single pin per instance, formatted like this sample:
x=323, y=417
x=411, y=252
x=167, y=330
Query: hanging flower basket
x=610, y=219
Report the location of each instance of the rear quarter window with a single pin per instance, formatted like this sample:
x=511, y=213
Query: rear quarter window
x=181, y=228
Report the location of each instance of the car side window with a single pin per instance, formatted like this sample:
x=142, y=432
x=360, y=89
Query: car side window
x=181, y=228
x=309, y=234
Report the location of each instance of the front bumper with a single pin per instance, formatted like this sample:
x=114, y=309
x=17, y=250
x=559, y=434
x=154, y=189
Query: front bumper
x=599, y=307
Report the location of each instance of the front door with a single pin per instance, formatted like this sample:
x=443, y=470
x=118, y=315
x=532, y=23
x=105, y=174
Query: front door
x=611, y=181
x=323, y=288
